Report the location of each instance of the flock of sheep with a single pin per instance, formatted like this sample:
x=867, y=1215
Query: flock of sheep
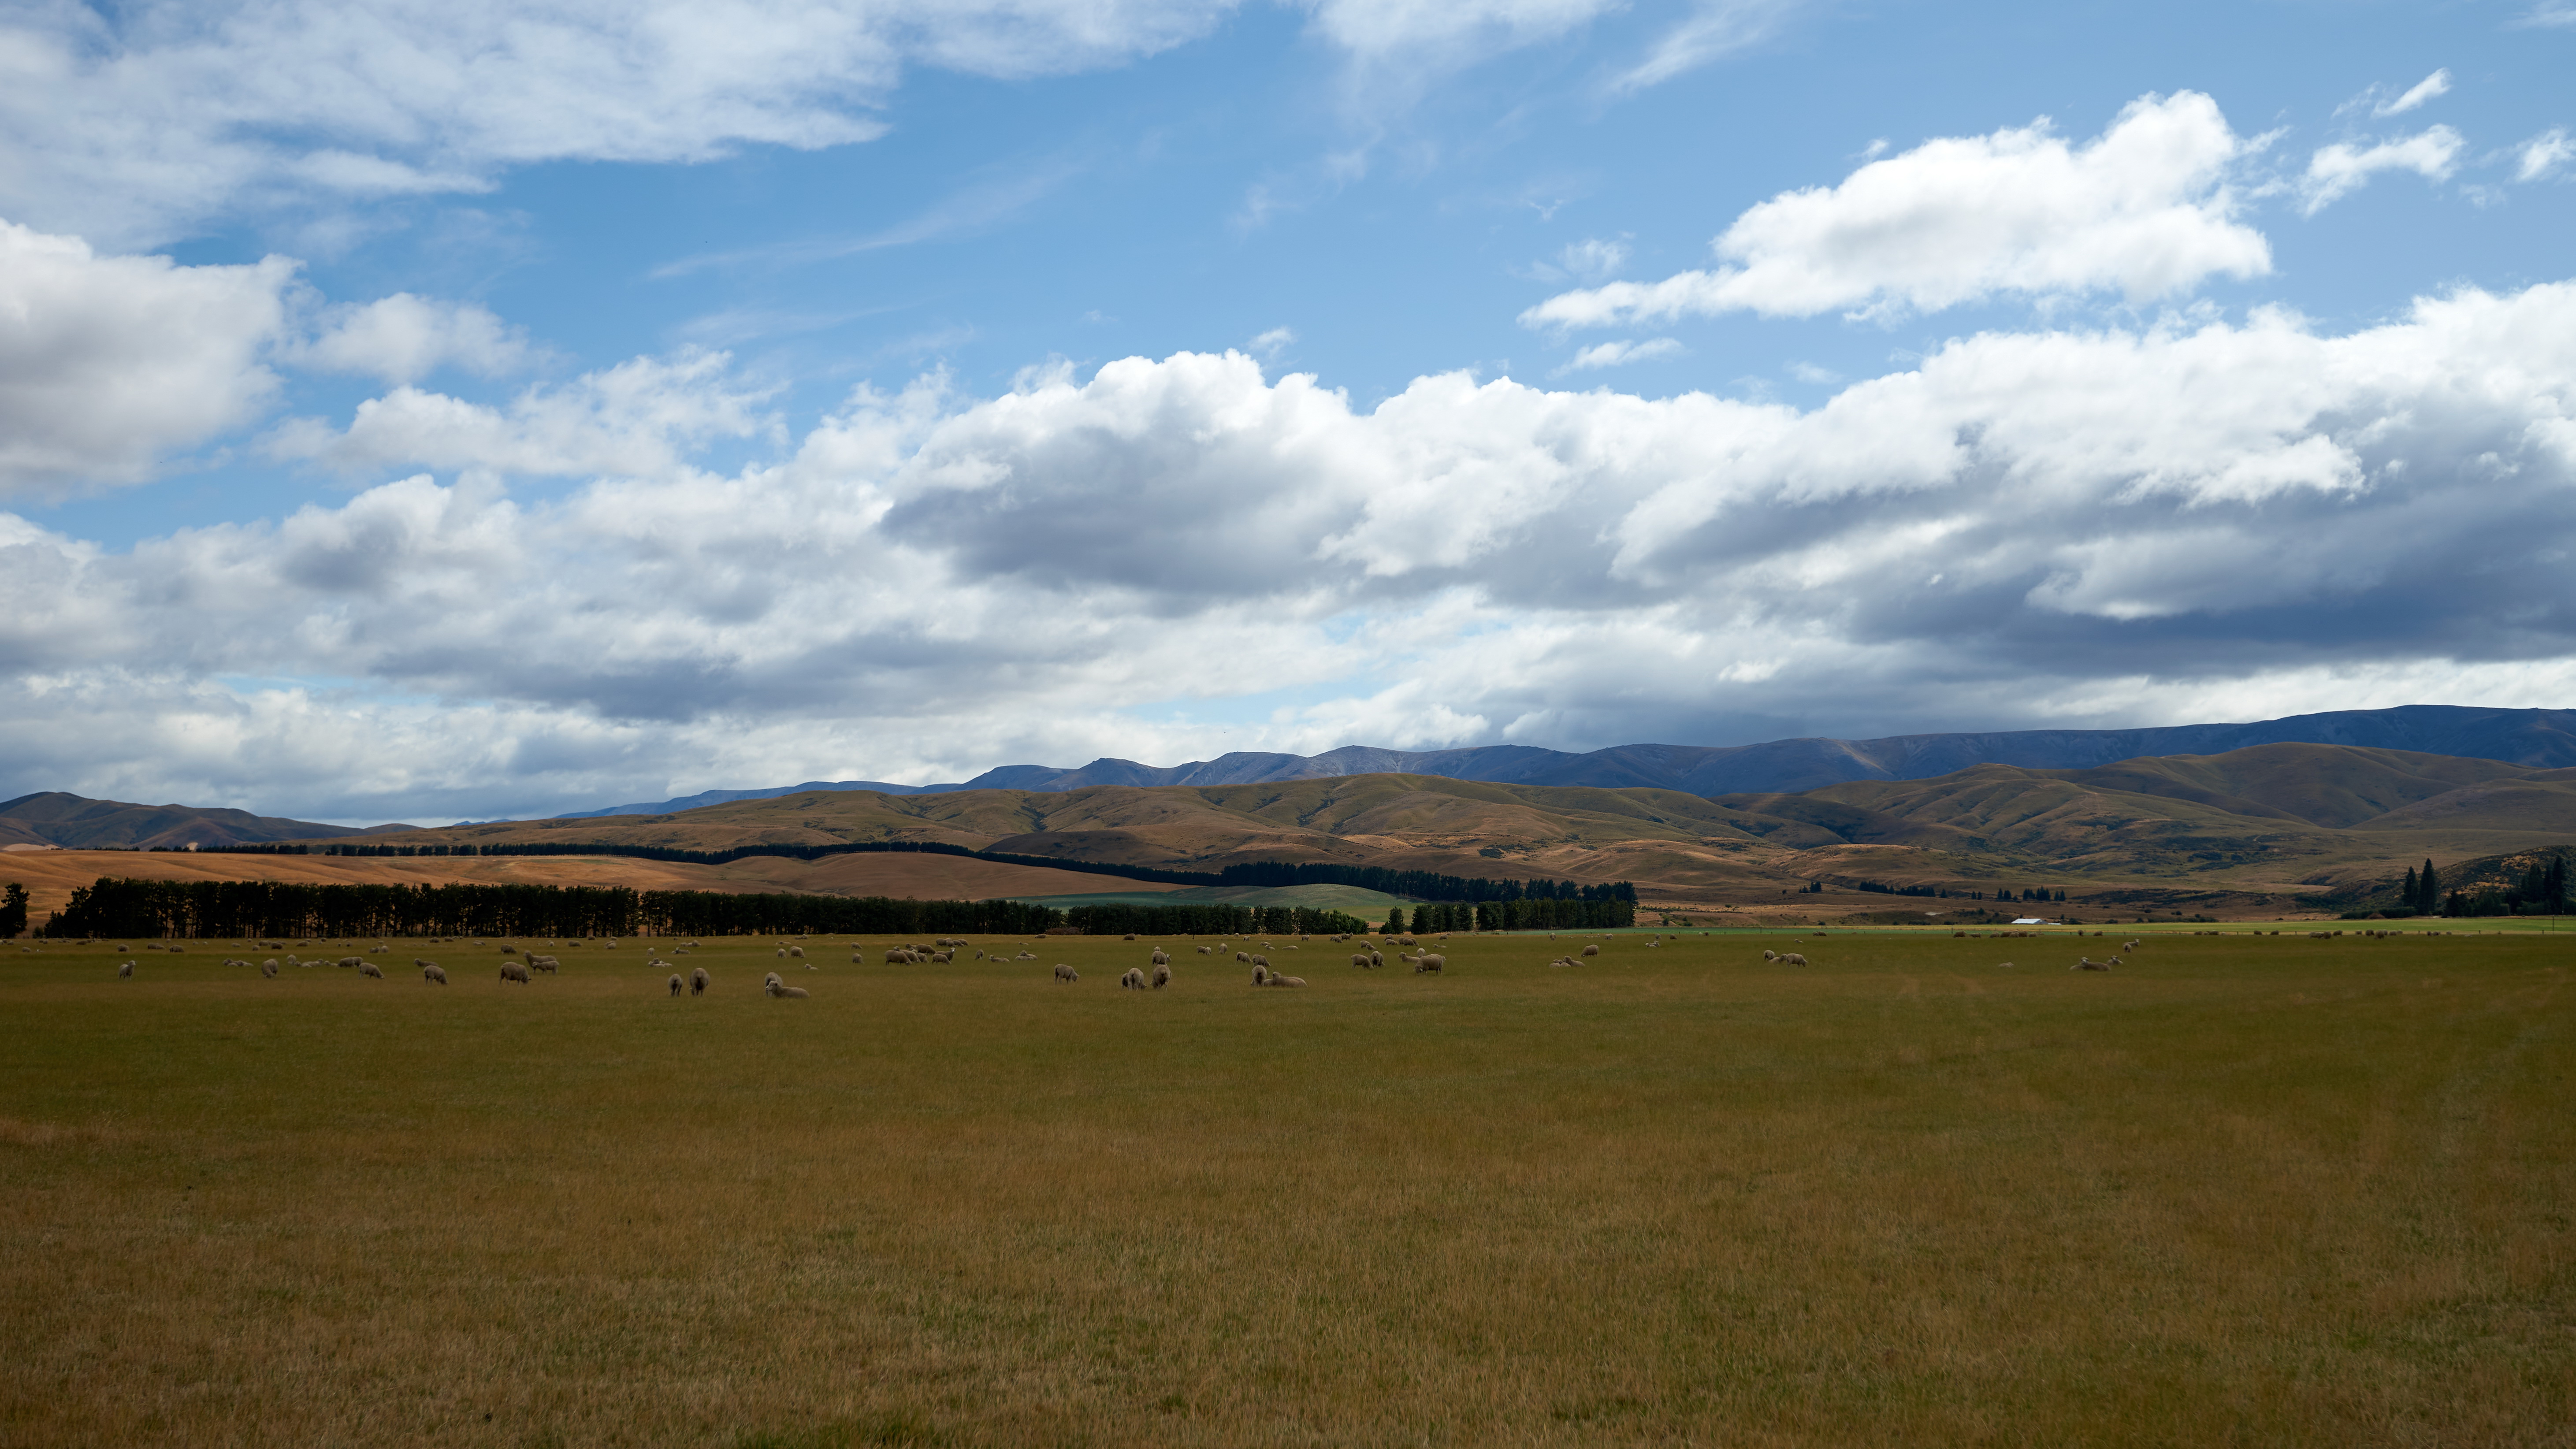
x=1154, y=975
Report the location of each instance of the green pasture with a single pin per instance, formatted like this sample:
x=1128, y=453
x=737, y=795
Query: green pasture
x=2238, y=1191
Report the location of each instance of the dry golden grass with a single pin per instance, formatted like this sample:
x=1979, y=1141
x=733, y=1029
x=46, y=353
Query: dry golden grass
x=2239, y=1191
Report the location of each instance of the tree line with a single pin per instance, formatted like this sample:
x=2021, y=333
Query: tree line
x=245, y=910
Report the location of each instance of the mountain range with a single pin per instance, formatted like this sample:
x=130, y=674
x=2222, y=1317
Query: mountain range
x=2533, y=738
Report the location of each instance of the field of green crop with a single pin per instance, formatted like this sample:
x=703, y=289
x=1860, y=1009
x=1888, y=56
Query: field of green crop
x=2240, y=1190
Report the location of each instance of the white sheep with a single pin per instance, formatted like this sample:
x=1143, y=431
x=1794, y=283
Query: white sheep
x=1066, y=974
x=1360, y=959
x=1260, y=960
x=542, y=963
x=2087, y=963
x=1260, y=975
x=1376, y=959
x=1591, y=950
x=1160, y=957
x=1131, y=979
x=1791, y=959
x=1206, y=950
x=1279, y=980
x=513, y=971
x=268, y=968
x=781, y=989
x=368, y=968
x=1242, y=958
x=1428, y=962
x=1770, y=955
x=125, y=972
x=432, y=975
x=1162, y=976
x=698, y=981
x=675, y=985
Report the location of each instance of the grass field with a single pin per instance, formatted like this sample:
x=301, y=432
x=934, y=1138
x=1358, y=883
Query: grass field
x=2242, y=1190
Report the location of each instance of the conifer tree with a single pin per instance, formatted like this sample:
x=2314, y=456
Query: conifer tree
x=1394, y=921
x=2429, y=887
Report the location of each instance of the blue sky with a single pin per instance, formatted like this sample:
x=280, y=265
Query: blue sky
x=420, y=412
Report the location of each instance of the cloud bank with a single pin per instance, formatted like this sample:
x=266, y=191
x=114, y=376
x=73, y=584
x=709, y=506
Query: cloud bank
x=2029, y=526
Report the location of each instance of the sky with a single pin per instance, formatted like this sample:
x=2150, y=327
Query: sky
x=423, y=411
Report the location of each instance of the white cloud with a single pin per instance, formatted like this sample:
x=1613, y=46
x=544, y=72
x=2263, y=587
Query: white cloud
x=2144, y=210
x=137, y=123
x=638, y=419
x=2542, y=155
x=2549, y=14
x=2065, y=526
x=110, y=364
x=1613, y=354
x=403, y=338
x=1452, y=30
x=2340, y=169
x=1272, y=342
x=1714, y=30
x=2431, y=87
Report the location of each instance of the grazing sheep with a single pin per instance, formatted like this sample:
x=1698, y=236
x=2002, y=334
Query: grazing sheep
x=1131, y=979
x=1279, y=980
x=346, y=962
x=1791, y=959
x=782, y=953
x=1207, y=950
x=431, y=975
x=1066, y=974
x=1162, y=976
x=942, y=958
x=784, y=991
x=1428, y=962
x=1591, y=950
x=1026, y=956
x=542, y=963
x=770, y=983
x=797, y=952
x=125, y=972
x=1242, y=958
x=1260, y=975
x=368, y=968
x=1160, y=958
x=698, y=981
x=1260, y=960
x=1376, y=960
x=2087, y=963
x=2007, y=966
x=675, y=985
x=2114, y=961
x=268, y=968
x=1770, y=955
x=2128, y=945
x=1360, y=959
x=513, y=971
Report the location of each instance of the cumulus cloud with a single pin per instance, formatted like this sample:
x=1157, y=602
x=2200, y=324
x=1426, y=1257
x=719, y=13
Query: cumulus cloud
x=640, y=418
x=2338, y=170
x=403, y=338
x=109, y=364
x=1455, y=31
x=2144, y=210
x=2062, y=526
x=135, y=123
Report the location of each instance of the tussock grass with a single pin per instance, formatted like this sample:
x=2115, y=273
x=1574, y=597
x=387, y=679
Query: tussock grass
x=2241, y=1191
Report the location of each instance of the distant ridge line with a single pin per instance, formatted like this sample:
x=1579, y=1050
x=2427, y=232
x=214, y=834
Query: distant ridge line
x=2535, y=738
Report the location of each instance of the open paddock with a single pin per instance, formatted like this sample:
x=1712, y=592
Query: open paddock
x=2237, y=1190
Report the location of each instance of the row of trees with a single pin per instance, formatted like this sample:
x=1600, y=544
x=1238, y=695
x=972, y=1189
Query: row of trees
x=1420, y=885
x=2541, y=890
x=1521, y=915
x=246, y=910
x=13, y=910
x=249, y=909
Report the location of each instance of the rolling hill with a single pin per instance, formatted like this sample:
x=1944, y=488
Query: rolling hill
x=51, y=817
x=2537, y=738
x=2271, y=820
